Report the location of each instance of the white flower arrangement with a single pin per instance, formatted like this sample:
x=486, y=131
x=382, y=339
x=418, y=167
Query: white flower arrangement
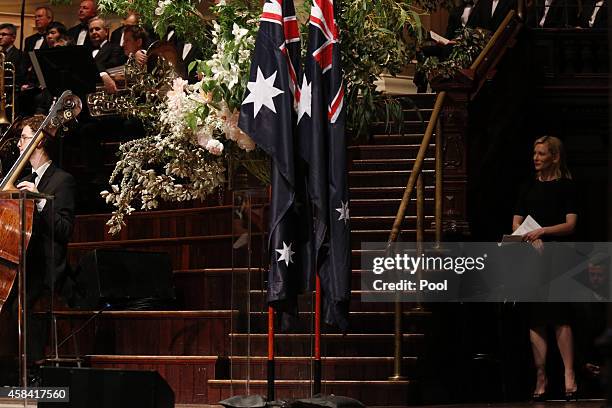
x=196, y=130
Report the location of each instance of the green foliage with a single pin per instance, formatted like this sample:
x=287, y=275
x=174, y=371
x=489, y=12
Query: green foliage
x=430, y=6
x=468, y=44
x=376, y=37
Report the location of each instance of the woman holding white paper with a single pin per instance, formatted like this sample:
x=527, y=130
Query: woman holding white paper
x=550, y=199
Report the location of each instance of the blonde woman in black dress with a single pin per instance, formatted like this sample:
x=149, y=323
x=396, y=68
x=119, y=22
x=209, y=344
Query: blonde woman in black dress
x=550, y=199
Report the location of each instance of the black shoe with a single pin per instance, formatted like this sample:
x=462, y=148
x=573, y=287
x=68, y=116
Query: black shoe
x=571, y=395
x=539, y=397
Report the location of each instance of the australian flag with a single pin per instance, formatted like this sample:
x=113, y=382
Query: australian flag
x=268, y=115
x=321, y=117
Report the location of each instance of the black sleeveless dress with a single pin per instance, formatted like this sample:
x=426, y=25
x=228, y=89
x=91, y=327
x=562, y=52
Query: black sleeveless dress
x=548, y=202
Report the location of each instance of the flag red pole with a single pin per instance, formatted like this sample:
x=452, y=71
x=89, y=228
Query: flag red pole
x=317, y=339
x=271, y=374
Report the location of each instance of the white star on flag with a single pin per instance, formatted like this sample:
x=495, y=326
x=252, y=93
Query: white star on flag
x=344, y=211
x=305, y=104
x=262, y=92
x=285, y=254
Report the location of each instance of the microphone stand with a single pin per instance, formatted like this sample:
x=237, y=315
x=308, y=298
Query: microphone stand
x=77, y=331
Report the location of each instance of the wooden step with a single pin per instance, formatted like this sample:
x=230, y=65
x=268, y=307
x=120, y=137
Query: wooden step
x=305, y=303
x=411, y=126
x=178, y=333
x=186, y=375
x=385, y=222
x=359, y=322
x=387, y=206
x=352, y=344
x=384, y=192
x=384, y=178
x=198, y=252
x=389, y=164
x=388, y=151
x=333, y=368
x=212, y=288
x=157, y=224
x=212, y=251
x=406, y=235
x=379, y=393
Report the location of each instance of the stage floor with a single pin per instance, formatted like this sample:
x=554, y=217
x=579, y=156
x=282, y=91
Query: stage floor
x=7, y=403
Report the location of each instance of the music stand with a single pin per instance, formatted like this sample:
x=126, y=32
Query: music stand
x=60, y=68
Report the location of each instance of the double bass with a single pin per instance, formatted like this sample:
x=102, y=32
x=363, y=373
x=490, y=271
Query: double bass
x=66, y=108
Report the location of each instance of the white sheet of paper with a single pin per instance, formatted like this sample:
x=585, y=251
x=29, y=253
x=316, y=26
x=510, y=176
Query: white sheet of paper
x=528, y=225
x=438, y=38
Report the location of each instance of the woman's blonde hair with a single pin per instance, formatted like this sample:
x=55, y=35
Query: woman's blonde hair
x=555, y=147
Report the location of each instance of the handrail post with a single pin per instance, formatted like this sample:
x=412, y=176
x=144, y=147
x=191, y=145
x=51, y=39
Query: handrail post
x=439, y=176
x=420, y=231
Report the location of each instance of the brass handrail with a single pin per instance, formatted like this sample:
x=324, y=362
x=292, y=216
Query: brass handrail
x=416, y=169
x=485, y=51
x=416, y=178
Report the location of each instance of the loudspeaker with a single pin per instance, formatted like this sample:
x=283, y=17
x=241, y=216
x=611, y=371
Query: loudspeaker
x=108, y=388
x=110, y=278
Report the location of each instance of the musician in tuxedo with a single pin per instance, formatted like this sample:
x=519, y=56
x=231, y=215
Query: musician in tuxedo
x=489, y=14
x=43, y=16
x=458, y=17
x=118, y=34
x=595, y=14
x=12, y=54
x=30, y=98
x=106, y=54
x=80, y=32
x=52, y=227
x=553, y=14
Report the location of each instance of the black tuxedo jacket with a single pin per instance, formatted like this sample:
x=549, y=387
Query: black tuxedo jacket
x=73, y=32
x=194, y=54
x=601, y=19
x=30, y=42
x=109, y=56
x=115, y=37
x=454, y=21
x=51, y=229
x=481, y=15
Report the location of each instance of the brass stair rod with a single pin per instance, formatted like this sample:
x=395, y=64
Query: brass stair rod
x=416, y=169
x=416, y=172
x=439, y=169
x=420, y=229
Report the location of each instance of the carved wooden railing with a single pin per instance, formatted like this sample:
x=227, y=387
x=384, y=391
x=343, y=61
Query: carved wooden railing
x=461, y=90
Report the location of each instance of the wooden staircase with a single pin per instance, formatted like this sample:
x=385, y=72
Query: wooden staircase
x=202, y=349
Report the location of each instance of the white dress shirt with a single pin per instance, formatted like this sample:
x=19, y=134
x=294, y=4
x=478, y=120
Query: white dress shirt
x=39, y=42
x=547, y=4
x=494, y=6
x=596, y=9
x=40, y=171
x=81, y=37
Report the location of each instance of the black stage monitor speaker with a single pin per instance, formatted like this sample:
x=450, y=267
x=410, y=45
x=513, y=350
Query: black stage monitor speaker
x=108, y=388
x=115, y=278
